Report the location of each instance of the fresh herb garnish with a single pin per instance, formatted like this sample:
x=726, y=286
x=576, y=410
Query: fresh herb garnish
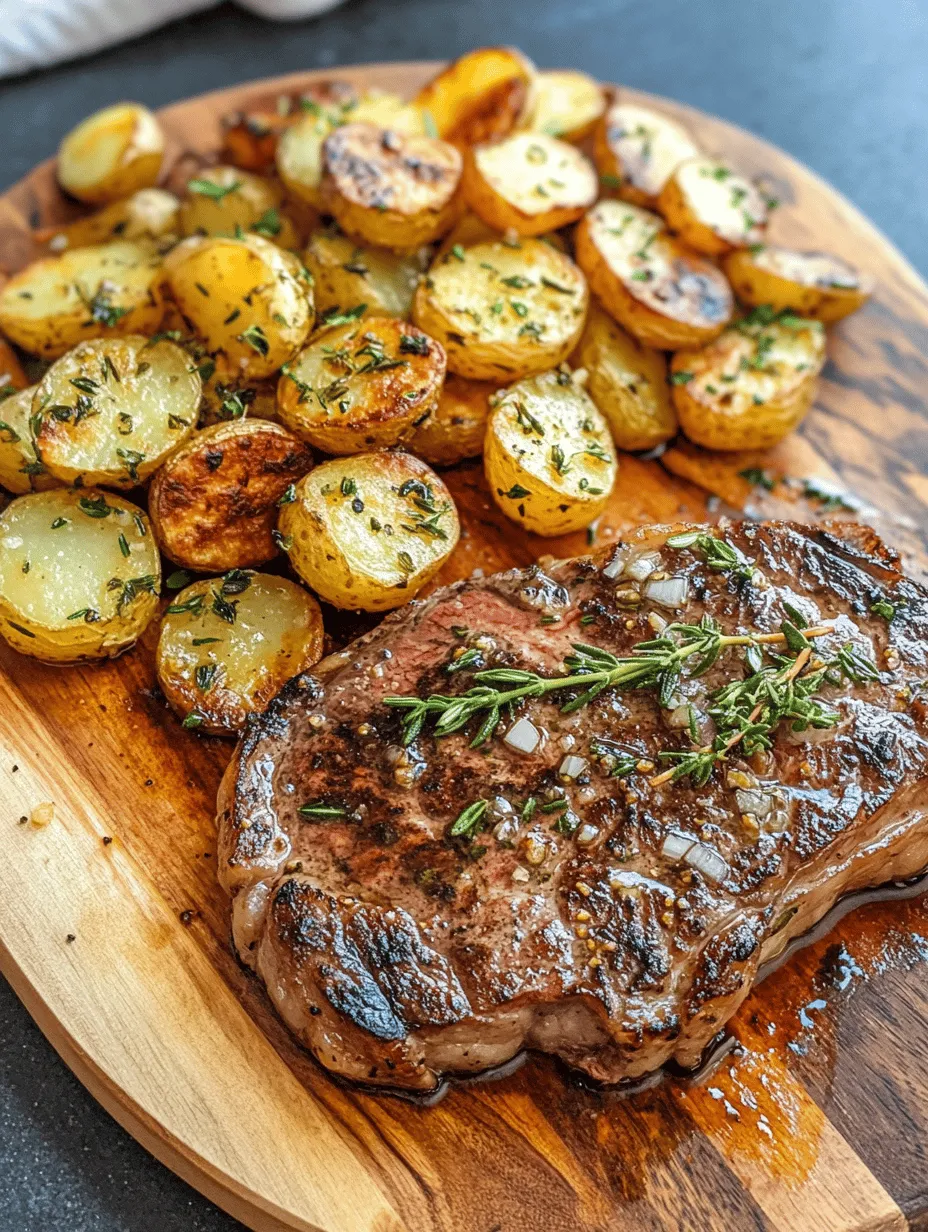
x=208, y=188
x=470, y=821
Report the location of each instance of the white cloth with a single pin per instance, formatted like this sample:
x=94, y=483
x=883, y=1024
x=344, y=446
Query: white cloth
x=38, y=33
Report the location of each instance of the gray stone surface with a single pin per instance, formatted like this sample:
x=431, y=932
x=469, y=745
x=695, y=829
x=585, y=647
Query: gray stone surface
x=841, y=84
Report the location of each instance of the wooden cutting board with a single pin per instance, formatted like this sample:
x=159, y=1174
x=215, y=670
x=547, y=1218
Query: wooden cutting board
x=115, y=934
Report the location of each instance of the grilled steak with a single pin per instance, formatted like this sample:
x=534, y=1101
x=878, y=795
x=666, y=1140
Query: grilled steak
x=434, y=908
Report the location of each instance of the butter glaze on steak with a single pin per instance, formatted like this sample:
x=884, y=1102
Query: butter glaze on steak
x=398, y=954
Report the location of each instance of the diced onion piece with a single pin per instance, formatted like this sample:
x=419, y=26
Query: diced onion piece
x=760, y=803
x=615, y=567
x=641, y=567
x=572, y=766
x=668, y=592
x=523, y=736
x=708, y=861
x=679, y=715
x=587, y=834
x=676, y=846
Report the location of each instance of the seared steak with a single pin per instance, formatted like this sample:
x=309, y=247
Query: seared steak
x=585, y=904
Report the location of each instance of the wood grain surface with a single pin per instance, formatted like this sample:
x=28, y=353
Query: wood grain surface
x=817, y=1121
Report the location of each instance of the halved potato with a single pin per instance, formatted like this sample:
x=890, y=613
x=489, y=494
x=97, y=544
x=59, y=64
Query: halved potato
x=637, y=150
x=99, y=291
x=456, y=427
x=502, y=309
x=21, y=470
x=751, y=386
x=530, y=182
x=225, y=201
x=548, y=455
x=483, y=95
x=79, y=574
x=346, y=274
x=249, y=299
x=214, y=503
x=663, y=294
x=814, y=284
x=388, y=188
x=111, y=410
x=712, y=208
x=150, y=213
x=567, y=104
x=369, y=531
x=228, y=645
x=361, y=386
x=250, y=140
x=627, y=381
x=232, y=397
x=111, y=153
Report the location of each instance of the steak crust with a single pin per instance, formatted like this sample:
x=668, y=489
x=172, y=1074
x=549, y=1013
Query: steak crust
x=398, y=953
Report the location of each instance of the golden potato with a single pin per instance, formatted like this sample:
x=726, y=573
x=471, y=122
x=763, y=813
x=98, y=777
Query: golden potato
x=79, y=574
x=814, y=284
x=549, y=459
x=456, y=427
x=628, y=382
x=711, y=208
x=111, y=410
x=250, y=300
x=388, y=188
x=21, y=470
x=111, y=154
x=361, y=386
x=250, y=141
x=481, y=96
x=228, y=397
x=149, y=214
x=529, y=182
x=346, y=274
x=752, y=385
x=567, y=104
x=637, y=150
x=503, y=309
x=369, y=531
x=228, y=645
x=100, y=291
x=663, y=294
x=226, y=201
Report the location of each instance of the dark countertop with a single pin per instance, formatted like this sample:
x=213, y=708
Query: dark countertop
x=840, y=84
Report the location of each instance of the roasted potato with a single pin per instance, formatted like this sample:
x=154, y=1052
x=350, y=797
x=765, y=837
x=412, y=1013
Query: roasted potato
x=711, y=208
x=388, y=188
x=111, y=154
x=79, y=574
x=214, y=503
x=149, y=214
x=225, y=201
x=456, y=427
x=637, y=150
x=111, y=410
x=529, y=182
x=346, y=274
x=250, y=140
x=228, y=645
x=567, y=104
x=250, y=300
x=361, y=386
x=813, y=284
x=663, y=294
x=548, y=456
x=104, y=290
x=503, y=310
x=627, y=381
x=231, y=397
x=369, y=531
x=481, y=96
x=21, y=470
x=752, y=385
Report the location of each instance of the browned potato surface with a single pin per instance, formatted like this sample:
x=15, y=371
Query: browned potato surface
x=483, y=95
x=712, y=208
x=637, y=150
x=111, y=153
x=456, y=427
x=814, y=284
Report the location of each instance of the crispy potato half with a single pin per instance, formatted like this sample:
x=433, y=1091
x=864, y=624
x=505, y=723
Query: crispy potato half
x=229, y=644
x=712, y=208
x=548, y=455
x=346, y=274
x=503, y=310
x=361, y=386
x=637, y=150
x=228, y=397
x=225, y=200
x=663, y=294
x=20, y=468
x=111, y=153
x=814, y=284
x=248, y=299
x=250, y=140
x=368, y=532
x=214, y=503
x=530, y=182
x=751, y=386
x=111, y=410
x=567, y=104
x=98, y=291
x=481, y=96
x=388, y=188
x=79, y=574
x=149, y=214
x=628, y=382
x=456, y=427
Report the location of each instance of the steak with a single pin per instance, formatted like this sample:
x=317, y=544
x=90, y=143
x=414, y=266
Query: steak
x=429, y=908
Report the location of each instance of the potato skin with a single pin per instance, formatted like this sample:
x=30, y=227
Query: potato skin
x=481, y=96
x=250, y=202
x=361, y=386
x=149, y=214
x=346, y=274
x=111, y=154
x=456, y=427
x=814, y=284
x=352, y=531
x=214, y=503
x=637, y=149
x=711, y=208
x=568, y=104
x=20, y=468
